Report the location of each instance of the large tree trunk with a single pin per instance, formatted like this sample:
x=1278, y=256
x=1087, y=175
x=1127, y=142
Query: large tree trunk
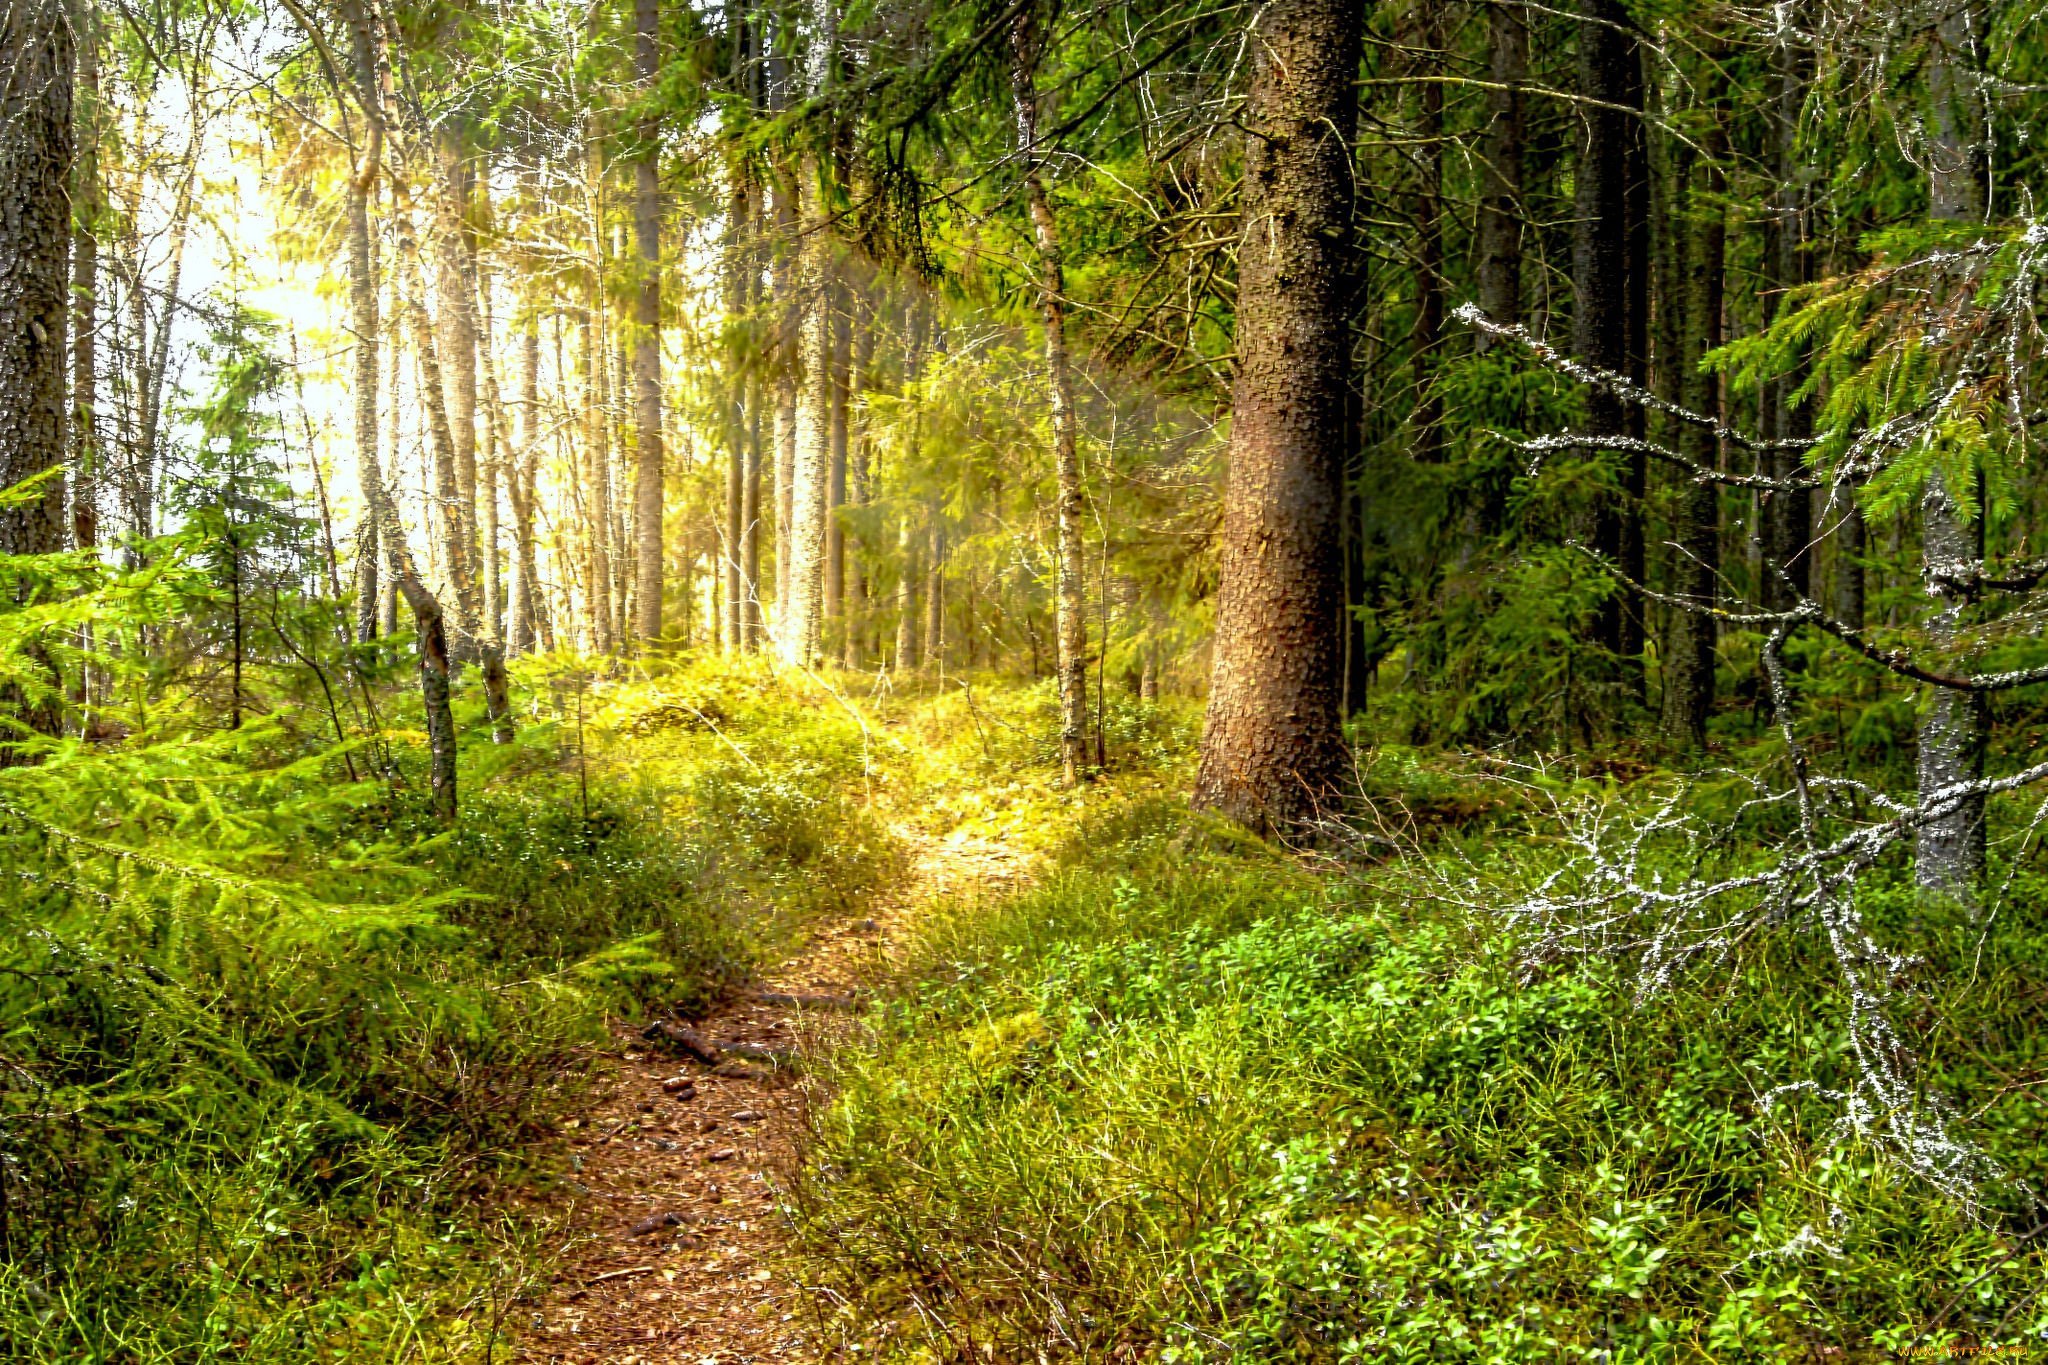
x=36, y=133
x=1689, y=662
x=1070, y=621
x=647, y=466
x=1600, y=257
x=1273, y=751
x=1949, y=852
x=802, y=615
x=1500, y=206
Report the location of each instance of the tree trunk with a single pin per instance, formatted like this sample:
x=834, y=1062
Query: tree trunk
x=739, y=261
x=1949, y=852
x=906, y=595
x=88, y=206
x=1600, y=256
x=441, y=438
x=36, y=142
x=859, y=476
x=935, y=593
x=1689, y=662
x=835, y=480
x=1273, y=750
x=524, y=632
x=455, y=346
x=362, y=274
x=1426, y=342
x=1500, y=206
x=648, y=454
x=802, y=616
x=597, y=515
x=1787, y=513
x=1070, y=621
x=490, y=471
x=435, y=667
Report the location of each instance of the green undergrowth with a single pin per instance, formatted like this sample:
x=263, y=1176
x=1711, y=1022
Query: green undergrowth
x=271, y=1040
x=1187, y=1099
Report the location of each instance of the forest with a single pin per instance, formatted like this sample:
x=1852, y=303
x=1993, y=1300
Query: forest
x=1124, y=681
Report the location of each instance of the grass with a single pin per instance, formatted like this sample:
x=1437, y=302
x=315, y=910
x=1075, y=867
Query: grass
x=271, y=1044
x=1190, y=1099
x=270, y=1041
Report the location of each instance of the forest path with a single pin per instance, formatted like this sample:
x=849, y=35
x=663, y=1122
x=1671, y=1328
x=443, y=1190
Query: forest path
x=668, y=1217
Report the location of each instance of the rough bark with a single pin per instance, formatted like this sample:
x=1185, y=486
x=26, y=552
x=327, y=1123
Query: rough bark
x=36, y=142
x=441, y=439
x=647, y=453
x=1689, y=654
x=1787, y=514
x=1500, y=207
x=1427, y=341
x=1069, y=609
x=455, y=355
x=1949, y=852
x=436, y=668
x=802, y=615
x=1273, y=753
x=87, y=208
x=1600, y=253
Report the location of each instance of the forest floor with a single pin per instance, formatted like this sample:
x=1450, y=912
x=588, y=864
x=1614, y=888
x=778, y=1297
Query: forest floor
x=666, y=1220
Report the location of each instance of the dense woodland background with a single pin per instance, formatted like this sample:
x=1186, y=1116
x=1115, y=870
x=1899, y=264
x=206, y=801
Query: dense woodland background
x=1576, y=460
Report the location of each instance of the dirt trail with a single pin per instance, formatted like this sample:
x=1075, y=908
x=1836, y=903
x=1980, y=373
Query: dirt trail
x=669, y=1211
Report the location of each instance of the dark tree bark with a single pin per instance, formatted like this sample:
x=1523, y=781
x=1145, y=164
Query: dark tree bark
x=1427, y=342
x=1787, y=514
x=1607, y=73
x=648, y=453
x=1689, y=653
x=36, y=133
x=1949, y=852
x=1273, y=752
x=1499, y=247
x=1628, y=629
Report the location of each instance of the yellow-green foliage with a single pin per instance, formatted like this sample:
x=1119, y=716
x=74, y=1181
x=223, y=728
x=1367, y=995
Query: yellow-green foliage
x=270, y=1037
